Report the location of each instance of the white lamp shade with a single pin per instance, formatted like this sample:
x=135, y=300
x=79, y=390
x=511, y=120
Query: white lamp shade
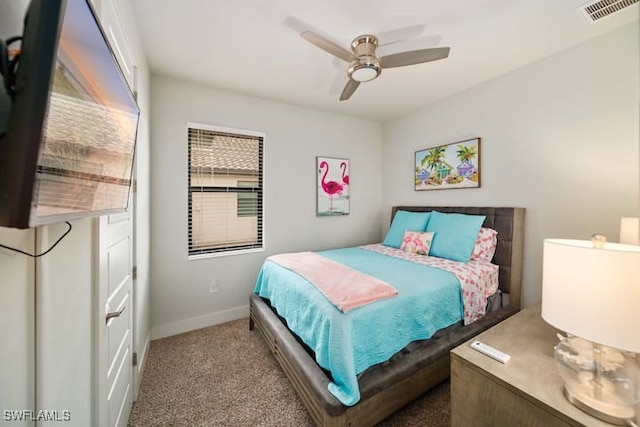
x=593, y=293
x=629, y=231
x=364, y=74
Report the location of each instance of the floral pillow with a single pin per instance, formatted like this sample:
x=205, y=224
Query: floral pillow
x=417, y=242
x=485, y=245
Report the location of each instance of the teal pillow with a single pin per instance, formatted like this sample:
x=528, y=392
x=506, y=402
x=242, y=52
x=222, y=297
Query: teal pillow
x=455, y=234
x=403, y=221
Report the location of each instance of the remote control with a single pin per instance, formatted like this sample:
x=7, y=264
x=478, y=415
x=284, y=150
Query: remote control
x=490, y=351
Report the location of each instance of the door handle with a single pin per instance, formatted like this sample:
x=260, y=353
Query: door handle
x=113, y=314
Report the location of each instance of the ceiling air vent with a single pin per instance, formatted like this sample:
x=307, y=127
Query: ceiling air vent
x=596, y=10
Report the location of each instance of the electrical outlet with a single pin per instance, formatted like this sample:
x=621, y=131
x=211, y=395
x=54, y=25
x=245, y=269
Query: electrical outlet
x=213, y=286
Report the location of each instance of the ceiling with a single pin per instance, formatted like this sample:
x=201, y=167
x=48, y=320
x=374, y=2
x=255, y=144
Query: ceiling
x=251, y=47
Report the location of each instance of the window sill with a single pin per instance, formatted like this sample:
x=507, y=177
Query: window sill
x=224, y=254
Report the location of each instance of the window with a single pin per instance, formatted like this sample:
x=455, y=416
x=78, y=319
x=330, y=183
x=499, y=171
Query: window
x=225, y=189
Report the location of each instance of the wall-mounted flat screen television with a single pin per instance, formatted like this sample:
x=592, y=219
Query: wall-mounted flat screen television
x=69, y=122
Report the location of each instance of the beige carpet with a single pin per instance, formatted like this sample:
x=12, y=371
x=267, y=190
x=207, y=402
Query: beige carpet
x=224, y=375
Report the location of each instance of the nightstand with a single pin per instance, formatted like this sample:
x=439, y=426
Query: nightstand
x=526, y=391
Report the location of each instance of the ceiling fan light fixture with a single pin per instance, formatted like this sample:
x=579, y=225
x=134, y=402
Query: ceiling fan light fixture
x=364, y=69
x=364, y=64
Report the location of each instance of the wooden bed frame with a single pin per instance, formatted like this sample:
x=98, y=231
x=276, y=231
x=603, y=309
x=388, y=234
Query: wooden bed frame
x=387, y=387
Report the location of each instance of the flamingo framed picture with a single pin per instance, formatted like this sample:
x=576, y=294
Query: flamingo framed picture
x=332, y=186
x=455, y=165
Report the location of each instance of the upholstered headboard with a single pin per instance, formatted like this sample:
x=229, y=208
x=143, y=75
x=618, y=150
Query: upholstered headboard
x=509, y=223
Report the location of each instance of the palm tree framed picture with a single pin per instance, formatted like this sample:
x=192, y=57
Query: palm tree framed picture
x=454, y=165
x=333, y=186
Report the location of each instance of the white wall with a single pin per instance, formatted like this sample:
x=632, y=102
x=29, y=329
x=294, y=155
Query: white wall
x=559, y=137
x=180, y=299
x=17, y=317
x=65, y=322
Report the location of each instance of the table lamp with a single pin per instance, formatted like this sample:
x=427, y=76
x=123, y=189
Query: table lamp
x=629, y=233
x=591, y=291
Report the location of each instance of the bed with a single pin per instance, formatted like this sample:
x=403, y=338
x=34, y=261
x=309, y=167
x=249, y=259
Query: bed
x=422, y=364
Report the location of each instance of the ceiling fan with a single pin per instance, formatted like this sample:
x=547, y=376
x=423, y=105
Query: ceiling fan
x=364, y=65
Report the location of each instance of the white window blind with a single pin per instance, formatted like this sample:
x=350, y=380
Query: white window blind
x=225, y=190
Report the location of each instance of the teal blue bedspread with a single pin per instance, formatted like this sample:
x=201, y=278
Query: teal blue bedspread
x=348, y=343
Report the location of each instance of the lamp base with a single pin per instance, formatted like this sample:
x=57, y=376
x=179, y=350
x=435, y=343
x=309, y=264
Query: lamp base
x=609, y=412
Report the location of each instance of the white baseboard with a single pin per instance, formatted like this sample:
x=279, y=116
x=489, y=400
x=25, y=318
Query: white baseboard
x=194, y=323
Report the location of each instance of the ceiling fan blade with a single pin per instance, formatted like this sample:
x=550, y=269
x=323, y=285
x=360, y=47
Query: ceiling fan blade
x=339, y=81
x=328, y=46
x=414, y=57
x=408, y=44
x=297, y=25
x=348, y=90
x=398, y=34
